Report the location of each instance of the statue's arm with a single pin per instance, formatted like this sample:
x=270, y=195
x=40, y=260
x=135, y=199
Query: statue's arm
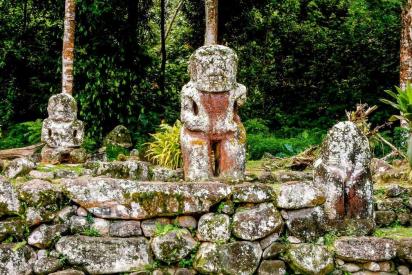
x=190, y=109
x=240, y=95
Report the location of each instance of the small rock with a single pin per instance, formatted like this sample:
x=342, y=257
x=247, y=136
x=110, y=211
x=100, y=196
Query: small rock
x=253, y=193
x=81, y=212
x=184, y=271
x=47, y=265
x=19, y=167
x=390, y=204
x=404, y=249
x=166, y=175
x=289, y=176
x=294, y=240
x=395, y=191
x=186, y=222
x=265, y=242
x=403, y=218
x=149, y=226
x=65, y=214
x=297, y=195
x=350, y=267
x=173, y=246
x=38, y=215
x=372, y=266
x=68, y=272
x=78, y=224
x=125, y=229
x=385, y=217
x=214, y=228
x=274, y=250
x=66, y=174
x=306, y=223
x=119, y=136
x=270, y=267
x=403, y=270
x=207, y=259
x=256, y=222
x=226, y=207
x=12, y=227
x=239, y=258
x=44, y=235
x=339, y=262
x=81, y=225
x=364, y=249
x=310, y=259
x=41, y=175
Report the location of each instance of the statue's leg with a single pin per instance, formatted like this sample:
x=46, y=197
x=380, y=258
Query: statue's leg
x=232, y=158
x=196, y=155
x=359, y=200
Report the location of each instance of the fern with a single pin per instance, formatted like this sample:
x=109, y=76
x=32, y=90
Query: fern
x=165, y=150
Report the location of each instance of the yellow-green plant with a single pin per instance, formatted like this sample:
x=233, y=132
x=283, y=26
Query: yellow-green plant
x=165, y=150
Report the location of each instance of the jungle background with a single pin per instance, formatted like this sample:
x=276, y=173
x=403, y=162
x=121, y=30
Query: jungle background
x=304, y=63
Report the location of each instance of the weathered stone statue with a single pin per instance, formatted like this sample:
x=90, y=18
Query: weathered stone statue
x=343, y=173
x=213, y=137
x=62, y=132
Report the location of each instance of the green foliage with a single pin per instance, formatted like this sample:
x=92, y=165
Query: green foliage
x=256, y=126
x=329, y=238
x=402, y=102
x=259, y=144
x=89, y=218
x=163, y=229
x=91, y=232
x=21, y=134
x=165, y=150
x=64, y=260
x=19, y=245
x=113, y=151
x=90, y=144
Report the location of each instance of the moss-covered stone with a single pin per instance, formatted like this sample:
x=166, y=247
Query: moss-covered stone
x=310, y=259
x=16, y=259
x=214, y=228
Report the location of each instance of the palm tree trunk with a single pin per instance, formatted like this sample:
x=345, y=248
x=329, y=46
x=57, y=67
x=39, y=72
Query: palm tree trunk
x=212, y=15
x=68, y=46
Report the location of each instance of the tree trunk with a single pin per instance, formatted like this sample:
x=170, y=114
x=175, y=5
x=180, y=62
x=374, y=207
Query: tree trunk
x=212, y=16
x=163, y=44
x=20, y=152
x=406, y=49
x=68, y=46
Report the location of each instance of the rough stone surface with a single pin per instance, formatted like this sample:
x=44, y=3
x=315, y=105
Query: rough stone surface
x=214, y=228
x=306, y=223
x=404, y=249
x=119, y=136
x=105, y=255
x=45, y=235
x=81, y=224
x=274, y=250
x=47, y=265
x=207, y=259
x=12, y=227
x=16, y=261
x=350, y=267
x=403, y=270
x=253, y=193
x=130, y=169
x=395, y=191
x=38, y=215
x=271, y=267
x=125, y=229
x=188, y=222
x=256, y=222
x=343, y=174
x=297, y=195
x=41, y=175
x=365, y=249
x=173, y=246
x=385, y=217
x=213, y=137
x=19, y=167
x=39, y=193
x=310, y=259
x=265, y=242
x=68, y=272
x=149, y=226
x=124, y=199
x=9, y=201
x=166, y=174
x=240, y=258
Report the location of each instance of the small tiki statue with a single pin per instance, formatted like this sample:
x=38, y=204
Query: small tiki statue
x=343, y=173
x=213, y=137
x=62, y=132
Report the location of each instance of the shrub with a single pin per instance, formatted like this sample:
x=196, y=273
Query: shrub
x=22, y=134
x=165, y=150
x=113, y=151
x=256, y=126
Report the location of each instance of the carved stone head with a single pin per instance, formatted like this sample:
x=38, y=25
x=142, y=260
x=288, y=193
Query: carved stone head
x=214, y=68
x=62, y=107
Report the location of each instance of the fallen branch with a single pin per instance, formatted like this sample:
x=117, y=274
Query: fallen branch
x=393, y=147
x=20, y=152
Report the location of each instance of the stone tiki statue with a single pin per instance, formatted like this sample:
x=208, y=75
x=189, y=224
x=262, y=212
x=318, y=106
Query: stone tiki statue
x=62, y=132
x=343, y=173
x=213, y=137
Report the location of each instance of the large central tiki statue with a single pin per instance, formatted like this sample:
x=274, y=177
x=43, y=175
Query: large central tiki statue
x=213, y=137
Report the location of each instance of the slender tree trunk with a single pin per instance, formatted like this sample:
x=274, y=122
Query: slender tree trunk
x=163, y=44
x=212, y=15
x=68, y=46
x=169, y=29
x=406, y=45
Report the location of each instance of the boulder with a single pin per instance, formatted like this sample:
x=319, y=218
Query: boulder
x=253, y=193
x=47, y=265
x=9, y=202
x=173, y=246
x=125, y=199
x=125, y=229
x=103, y=255
x=39, y=193
x=256, y=222
x=404, y=249
x=306, y=223
x=19, y=167
x=310, y=259
x=365, y=249
x=15, y=260
x=270, y=267
x=207, y=259
x=297, y=195
x=119, y=136
x=45, y=235
x=214, y=228
x=130, y=169
x=384, y=217
x=240, y=258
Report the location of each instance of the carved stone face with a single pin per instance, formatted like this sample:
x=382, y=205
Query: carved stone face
x=214, y=68
x=62, y=107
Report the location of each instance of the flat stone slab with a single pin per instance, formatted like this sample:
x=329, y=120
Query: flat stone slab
x=297, y=195
x=106, y=255
x=126, y=199
x=365, y=249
